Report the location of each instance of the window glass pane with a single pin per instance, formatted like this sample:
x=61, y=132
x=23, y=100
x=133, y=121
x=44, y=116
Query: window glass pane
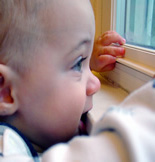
x=136, y=21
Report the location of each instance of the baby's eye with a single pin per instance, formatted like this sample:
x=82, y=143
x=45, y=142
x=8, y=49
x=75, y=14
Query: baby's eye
x=78, y=64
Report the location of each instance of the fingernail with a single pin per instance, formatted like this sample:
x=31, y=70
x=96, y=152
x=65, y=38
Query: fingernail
x=124, y=41
x=122, y=50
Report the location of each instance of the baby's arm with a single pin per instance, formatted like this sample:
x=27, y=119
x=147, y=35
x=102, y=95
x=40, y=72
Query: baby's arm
x=104, y=53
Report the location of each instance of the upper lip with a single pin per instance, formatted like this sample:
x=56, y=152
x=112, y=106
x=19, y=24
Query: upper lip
x=88, y=109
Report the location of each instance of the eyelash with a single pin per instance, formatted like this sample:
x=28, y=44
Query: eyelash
x=78, y=64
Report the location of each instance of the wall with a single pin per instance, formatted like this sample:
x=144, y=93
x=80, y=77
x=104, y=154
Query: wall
x=102, y=13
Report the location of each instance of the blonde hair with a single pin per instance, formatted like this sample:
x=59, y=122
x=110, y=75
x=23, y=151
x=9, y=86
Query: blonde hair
x=20, y=32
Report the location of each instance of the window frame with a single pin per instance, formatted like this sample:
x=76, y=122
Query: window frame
x=142, y=55
x=138, y=66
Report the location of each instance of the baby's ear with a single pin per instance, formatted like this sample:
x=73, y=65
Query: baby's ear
x=8, y=102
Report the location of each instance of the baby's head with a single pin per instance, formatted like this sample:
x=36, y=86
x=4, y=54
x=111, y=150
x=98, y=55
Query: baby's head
x=45, y=80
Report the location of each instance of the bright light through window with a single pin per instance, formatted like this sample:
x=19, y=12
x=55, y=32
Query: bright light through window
x=136, y=22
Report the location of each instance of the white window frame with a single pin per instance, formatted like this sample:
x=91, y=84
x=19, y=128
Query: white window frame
x=138, y=66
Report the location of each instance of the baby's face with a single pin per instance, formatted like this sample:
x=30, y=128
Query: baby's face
x=60, y=85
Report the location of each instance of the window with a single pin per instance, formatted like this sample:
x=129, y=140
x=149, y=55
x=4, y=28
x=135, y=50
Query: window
x=135, y=21
x=137, y=24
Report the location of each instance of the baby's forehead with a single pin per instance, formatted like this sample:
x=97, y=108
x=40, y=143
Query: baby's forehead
x=60, y=15
x=67, y=23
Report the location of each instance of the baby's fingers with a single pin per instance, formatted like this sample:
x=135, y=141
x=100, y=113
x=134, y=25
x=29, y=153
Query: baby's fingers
x=104, y=62
x=113, y=51
x=108, y=67
x=111, y=37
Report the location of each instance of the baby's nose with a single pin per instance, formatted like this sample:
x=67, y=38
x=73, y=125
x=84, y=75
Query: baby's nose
x=93, y=84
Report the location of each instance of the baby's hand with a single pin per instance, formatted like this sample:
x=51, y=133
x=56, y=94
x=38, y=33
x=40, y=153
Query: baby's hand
x=105, y=52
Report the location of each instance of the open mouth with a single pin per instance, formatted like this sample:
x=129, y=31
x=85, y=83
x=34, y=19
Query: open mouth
x=83, y=124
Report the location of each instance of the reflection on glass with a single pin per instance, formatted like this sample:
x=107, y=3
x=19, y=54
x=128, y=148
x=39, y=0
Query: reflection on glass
x=136, y=21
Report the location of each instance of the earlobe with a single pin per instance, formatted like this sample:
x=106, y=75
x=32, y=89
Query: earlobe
x=8, y=104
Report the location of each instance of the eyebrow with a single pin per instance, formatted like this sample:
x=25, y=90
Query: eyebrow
x=83, y=42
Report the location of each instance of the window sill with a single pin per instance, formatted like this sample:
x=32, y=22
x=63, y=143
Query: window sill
x=130, y=74
x=150, y=71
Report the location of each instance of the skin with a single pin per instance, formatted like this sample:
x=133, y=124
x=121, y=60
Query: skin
x=104, y=53
x=48, y=102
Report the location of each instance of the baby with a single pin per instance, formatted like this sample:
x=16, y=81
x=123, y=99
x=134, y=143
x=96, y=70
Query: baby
x=46, y=86
x=46, y=82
